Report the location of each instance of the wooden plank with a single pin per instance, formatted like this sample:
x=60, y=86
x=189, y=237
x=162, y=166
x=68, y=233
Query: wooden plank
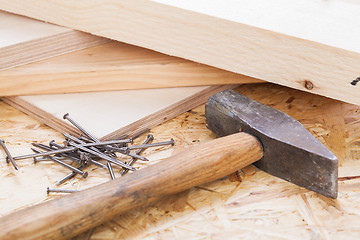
x=25, y=40
x=114, y=114
x=111, y=66
x=310, y=45
x=252, y=205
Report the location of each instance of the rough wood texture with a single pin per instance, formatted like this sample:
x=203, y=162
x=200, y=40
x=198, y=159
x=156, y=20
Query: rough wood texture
x=275, y=42
x=247, y=205
x=111, y=66
x=24, y=40
x=61, y=218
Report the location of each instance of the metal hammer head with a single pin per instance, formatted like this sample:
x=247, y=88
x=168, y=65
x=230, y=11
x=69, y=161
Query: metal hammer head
x=290, y=151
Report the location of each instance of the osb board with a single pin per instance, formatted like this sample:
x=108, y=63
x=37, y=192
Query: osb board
x=260, y=206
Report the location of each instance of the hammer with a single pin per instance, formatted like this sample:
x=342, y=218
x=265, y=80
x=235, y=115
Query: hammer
x=279, y=144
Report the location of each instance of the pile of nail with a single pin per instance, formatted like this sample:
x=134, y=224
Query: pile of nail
x=84, y=151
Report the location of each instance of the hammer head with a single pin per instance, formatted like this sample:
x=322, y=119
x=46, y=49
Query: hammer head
x=290, y=151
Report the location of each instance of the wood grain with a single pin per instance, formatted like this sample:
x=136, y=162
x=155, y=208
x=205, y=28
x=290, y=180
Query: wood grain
x=61, y=218
x=109, y=67
x=24, y=40
x=274, y=46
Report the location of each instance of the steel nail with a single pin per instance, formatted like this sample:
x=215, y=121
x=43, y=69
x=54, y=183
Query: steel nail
x=54, y=190
x=73, y=156
x=76, y=140
x=171, y=142
x=40, y=159
x=66, y=116
x=134, y=156
x=96, y=144
x=70, y=137
x=8, y=155
x=70, y=175
x=53, y=147
x=110, y=170
x=40, y=154
x=83, y=138
x=144, y=146
x=148, y=139
x=62, y=150
x=101, y=155
x=98, y=164
x=84, y=174
x=42, y=146
x=52, y=143
x=110, y=153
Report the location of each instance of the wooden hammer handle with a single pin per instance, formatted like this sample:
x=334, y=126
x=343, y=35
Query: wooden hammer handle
x=70, y=215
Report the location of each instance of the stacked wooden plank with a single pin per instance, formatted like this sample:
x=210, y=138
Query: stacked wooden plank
x=309, y=45
x=288, y=45
x=302, y=61
x=102, y=66
x=107, y=66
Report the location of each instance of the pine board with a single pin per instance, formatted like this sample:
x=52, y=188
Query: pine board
x=311, y=45
x=108, y=67
x=249, y=205
x=24, y=40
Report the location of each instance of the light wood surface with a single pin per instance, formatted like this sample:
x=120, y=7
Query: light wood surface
x=132, y=112
x=247, y=205
x=309, y=45
x=111, y=66
x=17, y=29
x=25, y=40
